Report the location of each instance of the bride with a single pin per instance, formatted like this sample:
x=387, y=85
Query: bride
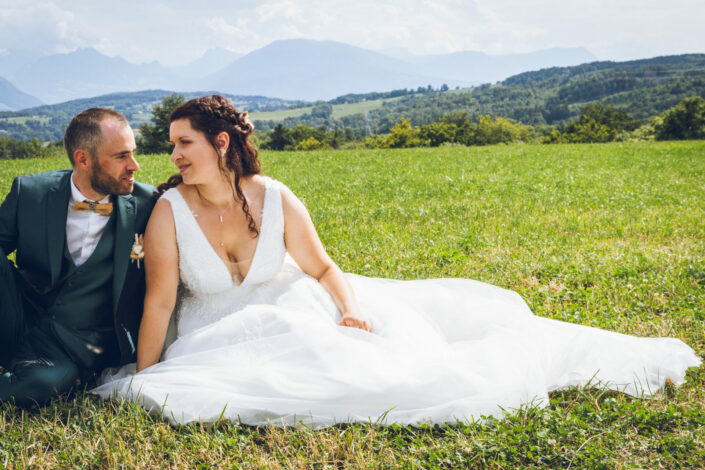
x=268, y=330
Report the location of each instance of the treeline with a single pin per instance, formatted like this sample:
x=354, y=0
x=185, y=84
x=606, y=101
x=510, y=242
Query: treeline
x=553, y=96
x=12, y=148
x=596, y=123
x=453, y=128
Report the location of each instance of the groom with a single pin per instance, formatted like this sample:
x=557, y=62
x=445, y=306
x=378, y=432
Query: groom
x=72, y=305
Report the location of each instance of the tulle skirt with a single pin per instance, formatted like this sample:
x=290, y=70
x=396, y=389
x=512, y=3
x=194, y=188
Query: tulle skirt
x=442, y=351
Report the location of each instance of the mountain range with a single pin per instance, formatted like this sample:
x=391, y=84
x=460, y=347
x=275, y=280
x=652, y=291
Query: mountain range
x=297, y=69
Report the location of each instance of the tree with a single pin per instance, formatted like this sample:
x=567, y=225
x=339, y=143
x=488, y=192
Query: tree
x=154, y=138
x=322, y=110
x=403, y=135
x=587, y=131
x=599, y=122
x=498, y=130
x=437, y=133
x=279, y=139
x=606, y=114
x=686, y=120
x=311, y=144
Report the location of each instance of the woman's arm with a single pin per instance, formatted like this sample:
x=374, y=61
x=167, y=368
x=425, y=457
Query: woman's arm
x=306, y=249
x=162, y=276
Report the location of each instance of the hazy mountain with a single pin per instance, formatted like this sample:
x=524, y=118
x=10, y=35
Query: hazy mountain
x=492, y=68
x=11, y=98
x=401, y=53
x=314, y=70
x=14, y=59
x=212, y=61
x=291, y=69
x=85, y=73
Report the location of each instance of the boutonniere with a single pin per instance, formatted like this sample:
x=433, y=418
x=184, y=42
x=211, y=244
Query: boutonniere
x=137, y=253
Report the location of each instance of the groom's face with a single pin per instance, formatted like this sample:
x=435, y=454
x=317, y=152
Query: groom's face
x=113, y=166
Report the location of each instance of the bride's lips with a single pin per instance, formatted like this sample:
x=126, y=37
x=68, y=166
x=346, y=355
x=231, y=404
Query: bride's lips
x=183, y=168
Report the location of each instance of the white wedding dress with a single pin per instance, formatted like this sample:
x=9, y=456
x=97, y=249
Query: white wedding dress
x=269, y=349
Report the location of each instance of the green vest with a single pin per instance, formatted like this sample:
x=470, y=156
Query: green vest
x=80, y=308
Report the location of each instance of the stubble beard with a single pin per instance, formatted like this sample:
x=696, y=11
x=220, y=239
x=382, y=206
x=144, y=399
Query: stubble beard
x=103, y=183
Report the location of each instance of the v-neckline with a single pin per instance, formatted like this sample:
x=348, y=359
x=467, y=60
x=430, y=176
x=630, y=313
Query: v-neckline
x=215, y=253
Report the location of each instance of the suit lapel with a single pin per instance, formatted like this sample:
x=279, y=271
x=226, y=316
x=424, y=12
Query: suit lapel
x=57, y=208
x=124, y=237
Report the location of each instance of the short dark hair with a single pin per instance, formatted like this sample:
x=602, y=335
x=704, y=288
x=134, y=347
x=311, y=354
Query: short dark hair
x=84, y=131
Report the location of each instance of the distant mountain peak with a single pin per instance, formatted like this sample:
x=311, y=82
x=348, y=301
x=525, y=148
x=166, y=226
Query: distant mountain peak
x=11, y=98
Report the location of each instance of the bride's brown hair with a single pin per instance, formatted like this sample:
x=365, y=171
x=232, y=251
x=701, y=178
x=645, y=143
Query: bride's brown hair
x=212, y=115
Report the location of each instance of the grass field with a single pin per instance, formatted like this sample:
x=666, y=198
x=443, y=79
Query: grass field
x=608, y=235
x=24, y=119
x=339, y=110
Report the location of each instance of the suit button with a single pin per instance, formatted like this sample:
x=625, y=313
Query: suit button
x=70, y=283
x=59, y=302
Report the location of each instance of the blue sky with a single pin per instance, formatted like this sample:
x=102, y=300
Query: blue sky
x=177, y=31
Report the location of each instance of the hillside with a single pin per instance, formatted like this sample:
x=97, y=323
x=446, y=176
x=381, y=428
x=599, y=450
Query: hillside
x=643, y=88
x=48, y=122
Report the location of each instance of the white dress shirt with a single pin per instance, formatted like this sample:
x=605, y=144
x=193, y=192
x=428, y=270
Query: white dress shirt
x=83, y=228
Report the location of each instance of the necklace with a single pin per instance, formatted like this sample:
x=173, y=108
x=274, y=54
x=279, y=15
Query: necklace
x=220, y=216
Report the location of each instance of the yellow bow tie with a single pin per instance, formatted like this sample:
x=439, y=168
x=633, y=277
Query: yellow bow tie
x=102, y=209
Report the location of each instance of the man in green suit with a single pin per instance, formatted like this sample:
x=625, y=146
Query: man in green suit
x=72, y=304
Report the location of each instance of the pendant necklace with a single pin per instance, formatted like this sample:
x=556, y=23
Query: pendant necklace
x=220, y=216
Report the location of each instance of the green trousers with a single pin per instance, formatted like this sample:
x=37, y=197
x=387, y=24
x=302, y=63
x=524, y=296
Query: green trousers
x=36, y=366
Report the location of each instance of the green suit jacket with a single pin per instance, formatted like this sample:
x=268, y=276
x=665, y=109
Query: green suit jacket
x=33, y=222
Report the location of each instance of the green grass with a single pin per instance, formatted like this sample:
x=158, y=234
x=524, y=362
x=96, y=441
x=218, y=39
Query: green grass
x=342, y=110
x=24, y=119
x=606, y=235
x=280, y=114
x=339, y=110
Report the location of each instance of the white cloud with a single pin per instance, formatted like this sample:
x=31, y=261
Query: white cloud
x=177, y=31
x=42, y=26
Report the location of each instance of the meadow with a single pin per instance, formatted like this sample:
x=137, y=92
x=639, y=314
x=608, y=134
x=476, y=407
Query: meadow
x=607, y=235
x=339, y=110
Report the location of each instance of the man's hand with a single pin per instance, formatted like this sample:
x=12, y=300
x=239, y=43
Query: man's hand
x=355, y=322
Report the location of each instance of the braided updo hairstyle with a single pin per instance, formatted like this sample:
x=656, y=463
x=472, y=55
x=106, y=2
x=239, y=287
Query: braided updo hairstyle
x=212, y=115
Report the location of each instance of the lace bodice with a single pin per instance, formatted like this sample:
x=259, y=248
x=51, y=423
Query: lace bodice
x=207, y=291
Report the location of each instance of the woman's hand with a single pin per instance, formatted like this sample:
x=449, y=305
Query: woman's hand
x=306, y=249
x=355, y=322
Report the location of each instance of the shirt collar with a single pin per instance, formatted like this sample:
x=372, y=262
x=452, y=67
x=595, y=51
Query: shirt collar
x=77, y=195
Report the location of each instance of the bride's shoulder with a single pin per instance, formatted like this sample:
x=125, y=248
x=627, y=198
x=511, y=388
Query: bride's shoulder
x=173, y=193
x=175, y=196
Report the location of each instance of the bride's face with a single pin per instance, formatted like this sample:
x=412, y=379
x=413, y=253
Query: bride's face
x=193, y=153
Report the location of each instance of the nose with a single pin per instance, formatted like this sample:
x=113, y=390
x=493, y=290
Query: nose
x=174, y=155
x=132, y=164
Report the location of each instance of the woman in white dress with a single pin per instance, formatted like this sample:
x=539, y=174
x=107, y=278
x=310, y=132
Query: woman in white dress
x=270, y=331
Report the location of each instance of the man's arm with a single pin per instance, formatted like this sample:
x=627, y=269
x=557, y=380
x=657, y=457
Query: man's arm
x=8, y=219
